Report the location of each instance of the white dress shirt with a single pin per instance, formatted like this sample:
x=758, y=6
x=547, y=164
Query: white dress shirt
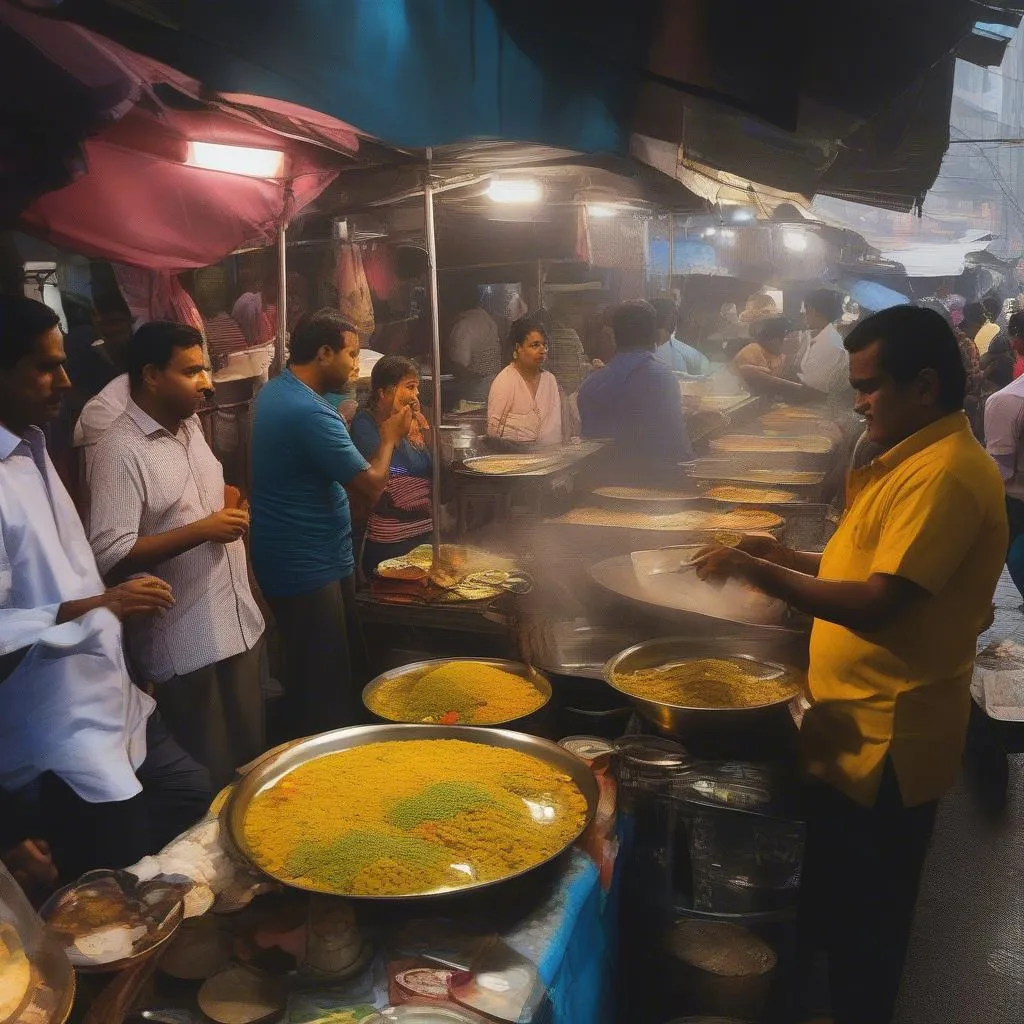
x=97, y=416
x=70, y=706
x=1004, y=427
x=825, y=366
x=147, y=481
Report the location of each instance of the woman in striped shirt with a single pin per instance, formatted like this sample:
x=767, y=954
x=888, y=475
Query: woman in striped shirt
x=401, y=520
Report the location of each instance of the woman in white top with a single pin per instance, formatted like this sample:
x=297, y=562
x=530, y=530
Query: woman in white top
x=524, y=403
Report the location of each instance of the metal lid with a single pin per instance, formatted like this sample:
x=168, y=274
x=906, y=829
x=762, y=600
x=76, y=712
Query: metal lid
x=653, y=752
x=587, y=748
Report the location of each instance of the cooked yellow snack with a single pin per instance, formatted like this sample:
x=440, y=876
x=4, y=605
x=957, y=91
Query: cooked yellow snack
x=506, y=463
x=414, y=816
x=707, y=683
x=808, y=445
x=642, y=493
x=749, y=495
x=459, y=693
x=690, y=521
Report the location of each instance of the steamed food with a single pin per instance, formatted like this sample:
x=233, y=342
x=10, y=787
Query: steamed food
x=707, y=683
x=459, y=693
x=408, y=817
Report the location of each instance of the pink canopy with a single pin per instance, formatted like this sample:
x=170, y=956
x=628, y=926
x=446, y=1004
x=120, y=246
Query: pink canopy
x=138, y=202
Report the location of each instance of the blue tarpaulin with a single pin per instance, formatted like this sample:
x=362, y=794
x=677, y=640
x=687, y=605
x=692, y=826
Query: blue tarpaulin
x=410, y=73
x=874, y=296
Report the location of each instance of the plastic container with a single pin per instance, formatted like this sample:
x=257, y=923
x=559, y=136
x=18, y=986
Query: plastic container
x=30, y=955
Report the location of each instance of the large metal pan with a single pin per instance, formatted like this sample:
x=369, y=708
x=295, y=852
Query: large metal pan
x=517, y=668
x=270, y=771
x=678, y=719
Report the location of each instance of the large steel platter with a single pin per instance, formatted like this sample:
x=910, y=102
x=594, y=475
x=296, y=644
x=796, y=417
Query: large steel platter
x=272, y=769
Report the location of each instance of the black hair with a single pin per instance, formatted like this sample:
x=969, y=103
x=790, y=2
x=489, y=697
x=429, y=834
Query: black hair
x=974, y=313
x=314, y=330
x=773, y=327
x=22, y=320
x=391, y=370
x=825, y=301
x=912, y=339
x=667, y=313
x=992, y=306
x=522, y=328
x=110, y=303
x=1015, y=327
x=154, y=343
x=634, y=324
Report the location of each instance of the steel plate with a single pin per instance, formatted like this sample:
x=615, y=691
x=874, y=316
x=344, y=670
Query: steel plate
x=270, y=771
x=539, y=682
x=618, y=576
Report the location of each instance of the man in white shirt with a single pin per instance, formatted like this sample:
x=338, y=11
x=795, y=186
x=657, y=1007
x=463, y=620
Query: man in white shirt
x=1004, y=441
x=108, y=786
x=825, y=366
x=159, y=504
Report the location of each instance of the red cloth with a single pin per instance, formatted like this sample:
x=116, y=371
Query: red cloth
x=1018, y=367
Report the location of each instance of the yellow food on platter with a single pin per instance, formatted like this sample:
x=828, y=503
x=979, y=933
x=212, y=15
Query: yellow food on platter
x=409, y=817
x=779, y=477
x=707, y=683
x=690, y=521
x=643, y=494
x=458, y=693
x=498, y=464
x=15, y=972
x=806, y=445
x=749, y=495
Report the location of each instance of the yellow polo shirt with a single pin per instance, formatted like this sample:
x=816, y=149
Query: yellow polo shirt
x=930, y=510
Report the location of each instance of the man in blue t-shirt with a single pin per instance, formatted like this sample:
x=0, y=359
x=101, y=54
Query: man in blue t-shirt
x=635, y=401
x=301, y=531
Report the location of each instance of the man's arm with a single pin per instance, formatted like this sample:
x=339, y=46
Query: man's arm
x=116, y=506
x=861, y=606
x=330, y=447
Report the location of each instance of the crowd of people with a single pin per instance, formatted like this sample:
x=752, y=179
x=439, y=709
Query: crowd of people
x=133, y=629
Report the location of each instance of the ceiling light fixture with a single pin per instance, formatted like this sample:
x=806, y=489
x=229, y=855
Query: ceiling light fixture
x=514, y=190
x=601, y=210
x=244, y=160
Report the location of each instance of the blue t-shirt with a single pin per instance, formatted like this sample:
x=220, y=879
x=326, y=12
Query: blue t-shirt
x=683, y=358
x=406, y=458
x=301, y=533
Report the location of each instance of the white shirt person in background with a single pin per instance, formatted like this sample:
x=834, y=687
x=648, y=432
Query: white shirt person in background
x=825, y=366
x=107, y=786
x=159, y=504
x=524, y=403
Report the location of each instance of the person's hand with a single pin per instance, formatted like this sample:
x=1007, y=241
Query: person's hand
x=720, y=563
x=143, y=595
x=396, y=427
x=226, y=526
x=32, y=866
x=232, y=497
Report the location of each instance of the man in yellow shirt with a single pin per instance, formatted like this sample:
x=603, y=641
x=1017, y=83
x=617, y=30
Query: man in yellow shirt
x=899, y=597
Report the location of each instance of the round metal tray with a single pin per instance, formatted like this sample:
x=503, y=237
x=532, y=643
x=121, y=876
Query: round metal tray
x=617, y=576
x=655, y=653
x=517, y=668
x=271, y=770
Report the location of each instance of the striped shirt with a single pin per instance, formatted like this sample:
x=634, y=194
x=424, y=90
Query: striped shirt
x=147, y=481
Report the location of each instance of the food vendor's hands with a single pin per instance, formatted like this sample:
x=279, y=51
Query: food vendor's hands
x=226, y=526
x=396, y=427
x=720, y=563
x=141, y=595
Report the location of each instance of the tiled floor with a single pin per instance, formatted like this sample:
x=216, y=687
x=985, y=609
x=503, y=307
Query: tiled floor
x=966, y=962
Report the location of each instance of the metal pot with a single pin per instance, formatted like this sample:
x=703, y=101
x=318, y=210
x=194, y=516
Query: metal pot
x=679, y=719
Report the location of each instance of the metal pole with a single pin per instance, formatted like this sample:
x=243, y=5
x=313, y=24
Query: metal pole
x=282, y=296
x=435, y=324
x=671, y=249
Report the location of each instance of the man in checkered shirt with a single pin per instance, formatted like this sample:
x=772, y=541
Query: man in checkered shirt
x=159, y=504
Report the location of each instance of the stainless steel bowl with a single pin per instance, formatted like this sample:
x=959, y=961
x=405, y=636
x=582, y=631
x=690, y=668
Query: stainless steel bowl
x=677, y=718
x=270, y=771
x=539, y=682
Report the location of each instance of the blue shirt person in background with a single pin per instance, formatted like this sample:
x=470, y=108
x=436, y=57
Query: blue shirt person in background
x=676, y=354
x=635, y=401
x=303, y=459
